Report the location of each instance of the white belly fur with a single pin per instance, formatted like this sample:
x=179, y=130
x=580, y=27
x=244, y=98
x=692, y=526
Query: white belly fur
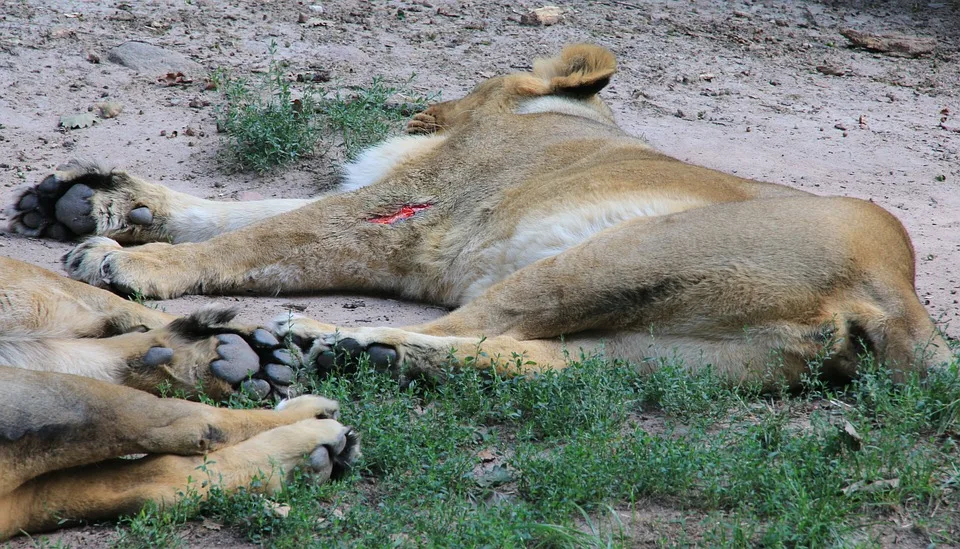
x=538, y=237
x=375, y=163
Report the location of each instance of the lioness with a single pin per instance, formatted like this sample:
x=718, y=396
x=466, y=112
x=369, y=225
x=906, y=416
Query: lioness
x=72, y=358
x=527, y=208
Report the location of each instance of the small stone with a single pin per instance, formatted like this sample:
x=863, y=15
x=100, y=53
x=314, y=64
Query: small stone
x=545, y=16
x=109, y=109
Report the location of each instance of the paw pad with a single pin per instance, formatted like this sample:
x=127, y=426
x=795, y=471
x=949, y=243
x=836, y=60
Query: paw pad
x=255, y=364
x=349, y=350
x=62, y=205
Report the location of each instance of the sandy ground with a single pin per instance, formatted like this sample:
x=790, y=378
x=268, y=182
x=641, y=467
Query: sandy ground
x=733, y=86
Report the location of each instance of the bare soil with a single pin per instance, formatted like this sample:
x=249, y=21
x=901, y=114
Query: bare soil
x=767, y=90
x=733, y=86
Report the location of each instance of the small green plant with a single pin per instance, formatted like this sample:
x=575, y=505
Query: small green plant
x=369, y=114
x=263, y=124
x=572, y=458
x=266, y=123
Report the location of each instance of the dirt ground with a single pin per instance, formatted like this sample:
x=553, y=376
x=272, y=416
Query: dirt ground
x=733, y=86
x=767, y=90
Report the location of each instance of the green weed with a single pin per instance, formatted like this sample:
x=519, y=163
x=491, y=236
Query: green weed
x=267, y=123
x=472, y=459
x=369, y=114
x=263, y=126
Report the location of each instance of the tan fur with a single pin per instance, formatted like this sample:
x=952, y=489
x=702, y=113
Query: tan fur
x=71, y=361
x=547, y=220
x=549, y=230
x=58, y=452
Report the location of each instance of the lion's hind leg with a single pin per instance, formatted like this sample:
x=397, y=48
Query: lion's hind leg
x=55, y=426
x=405, y=351
x=757, y=290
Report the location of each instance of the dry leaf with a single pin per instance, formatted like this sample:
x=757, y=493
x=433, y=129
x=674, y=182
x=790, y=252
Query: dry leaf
x=872, y=487
x=74, y=121
x=278, y=509
x=211, y=525
x=494, y=477
x=174, y=79
x=850, y=436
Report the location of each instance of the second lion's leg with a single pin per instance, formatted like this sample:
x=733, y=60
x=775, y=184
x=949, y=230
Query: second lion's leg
x=51, y=323
x=62, y=423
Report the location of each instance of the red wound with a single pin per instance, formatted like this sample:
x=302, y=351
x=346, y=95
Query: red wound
x=405, y=212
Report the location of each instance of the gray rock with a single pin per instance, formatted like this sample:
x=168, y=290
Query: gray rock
x=152, y=60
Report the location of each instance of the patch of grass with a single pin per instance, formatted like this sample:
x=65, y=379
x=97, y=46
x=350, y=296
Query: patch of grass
x=267, y=123
x=570, y=458
x=263, y=126
x=369, y=114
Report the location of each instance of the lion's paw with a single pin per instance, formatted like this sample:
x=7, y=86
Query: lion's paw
x=80, y=199
x=423, y=123
x=324, y=448
x=335, y=457
x=327, y=347
x=88, y=261
x=310, y=406
x=205, y=350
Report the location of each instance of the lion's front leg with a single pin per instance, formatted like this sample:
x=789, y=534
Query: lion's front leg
x=201, y=352
x=46, y=479
x=340, y=242
x=81, y=199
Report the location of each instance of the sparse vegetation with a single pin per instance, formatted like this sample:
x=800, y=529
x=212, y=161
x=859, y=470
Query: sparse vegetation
x=267, y=123
x=367, y=115
x=262, y=124
x=576, y=458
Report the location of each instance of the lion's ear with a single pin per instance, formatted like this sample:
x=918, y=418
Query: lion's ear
x=581, y=70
